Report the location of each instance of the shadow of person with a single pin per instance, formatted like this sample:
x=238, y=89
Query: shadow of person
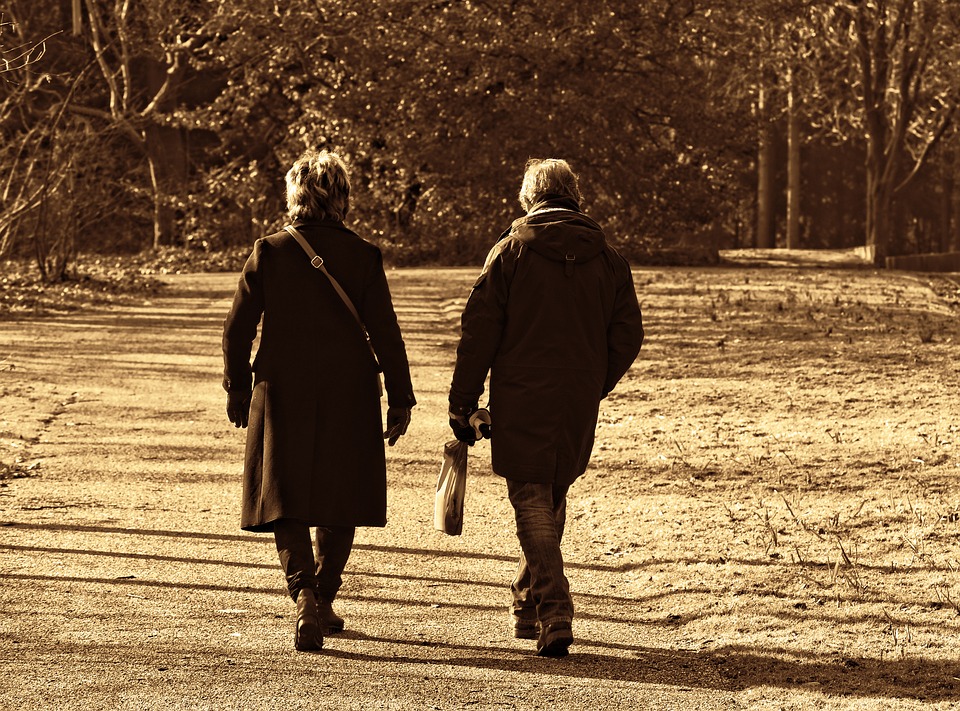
x=726, y=669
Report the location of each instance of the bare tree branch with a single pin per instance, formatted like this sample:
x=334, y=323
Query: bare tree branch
x=928, y=148
x=20, y=55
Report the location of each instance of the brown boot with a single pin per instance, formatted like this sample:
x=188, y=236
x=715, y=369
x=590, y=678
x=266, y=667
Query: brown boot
x=554, y=640
x=332, y=621
x=309, y=632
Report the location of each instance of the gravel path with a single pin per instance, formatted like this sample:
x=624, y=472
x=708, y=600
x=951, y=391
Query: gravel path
x=126, y=582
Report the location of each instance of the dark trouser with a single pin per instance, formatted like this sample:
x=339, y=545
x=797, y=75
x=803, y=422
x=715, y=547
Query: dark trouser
x=323, y=573
x=540, y=589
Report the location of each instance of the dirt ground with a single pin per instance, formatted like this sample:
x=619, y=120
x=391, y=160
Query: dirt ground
x=770, y=520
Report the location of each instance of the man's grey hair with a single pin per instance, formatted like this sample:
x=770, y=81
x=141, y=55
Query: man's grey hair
x=548, y=176
x=318, y=187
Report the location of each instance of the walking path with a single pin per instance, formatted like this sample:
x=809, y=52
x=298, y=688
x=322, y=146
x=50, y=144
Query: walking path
x=126, y=583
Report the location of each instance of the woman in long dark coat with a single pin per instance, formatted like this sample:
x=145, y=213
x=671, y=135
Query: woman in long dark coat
x=314, y=454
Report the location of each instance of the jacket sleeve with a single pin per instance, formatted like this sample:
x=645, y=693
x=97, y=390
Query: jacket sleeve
x=481, y=326
x=380, y=320
x=624, y=334
x=240, y=326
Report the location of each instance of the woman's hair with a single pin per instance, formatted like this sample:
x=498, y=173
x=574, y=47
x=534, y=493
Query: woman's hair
x=548, y=176
x=318, y=187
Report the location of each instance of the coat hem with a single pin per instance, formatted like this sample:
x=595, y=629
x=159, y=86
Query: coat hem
x=268, y=526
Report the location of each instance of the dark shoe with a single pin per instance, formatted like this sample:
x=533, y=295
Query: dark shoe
x=525, y=627
x=554, y=640
x=309, y=633
x=331, y=620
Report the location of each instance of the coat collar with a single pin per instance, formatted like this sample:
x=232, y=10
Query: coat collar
x=554, y=202
x=324, y=224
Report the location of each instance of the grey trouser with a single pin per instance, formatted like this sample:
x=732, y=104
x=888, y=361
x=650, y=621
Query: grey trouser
x=540, y=589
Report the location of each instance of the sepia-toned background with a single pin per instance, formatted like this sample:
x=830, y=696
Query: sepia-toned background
x=770, y=519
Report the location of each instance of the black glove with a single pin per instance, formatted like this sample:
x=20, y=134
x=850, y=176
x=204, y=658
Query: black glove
x=462, y=429
x=398, y=419
x=238, y=407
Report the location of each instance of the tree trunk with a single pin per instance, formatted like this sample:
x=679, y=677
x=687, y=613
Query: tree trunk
x=793, y=167
x=948, y=169
x=162, y=221
x=954, y=245
x=77, y=18
x=765, y=223
x=879, y=213
x=166, y=156
x=880, y=168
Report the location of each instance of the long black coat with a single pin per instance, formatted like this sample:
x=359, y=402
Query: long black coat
x=555, y=318
x=314, y=441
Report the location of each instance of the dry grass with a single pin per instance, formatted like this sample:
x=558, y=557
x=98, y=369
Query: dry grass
x=784, y=458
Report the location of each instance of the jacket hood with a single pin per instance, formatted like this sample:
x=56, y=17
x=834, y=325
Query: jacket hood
x=557, y=230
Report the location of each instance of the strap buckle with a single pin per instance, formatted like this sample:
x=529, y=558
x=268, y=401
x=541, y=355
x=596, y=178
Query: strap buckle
x=317, y=262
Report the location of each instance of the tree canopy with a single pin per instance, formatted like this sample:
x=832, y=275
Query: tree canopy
x=173, y=121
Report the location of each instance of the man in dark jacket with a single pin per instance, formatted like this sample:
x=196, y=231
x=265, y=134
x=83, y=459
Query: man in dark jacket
x=554, y=317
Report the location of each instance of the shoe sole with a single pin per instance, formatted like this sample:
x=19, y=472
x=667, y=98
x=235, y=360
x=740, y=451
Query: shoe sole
x=555, y=641
x=556, y=648
x=308, y=638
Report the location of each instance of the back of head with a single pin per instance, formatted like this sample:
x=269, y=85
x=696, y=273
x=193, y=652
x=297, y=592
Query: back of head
x=545, y=177
x=318, y=187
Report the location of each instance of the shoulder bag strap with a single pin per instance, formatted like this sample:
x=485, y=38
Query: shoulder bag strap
x=317, y=262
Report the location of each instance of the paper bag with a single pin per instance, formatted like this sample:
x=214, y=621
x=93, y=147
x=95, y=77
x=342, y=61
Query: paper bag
x=451, y=487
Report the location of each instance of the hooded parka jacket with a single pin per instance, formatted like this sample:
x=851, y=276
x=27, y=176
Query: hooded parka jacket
x=554, y=317
x=314, y=448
